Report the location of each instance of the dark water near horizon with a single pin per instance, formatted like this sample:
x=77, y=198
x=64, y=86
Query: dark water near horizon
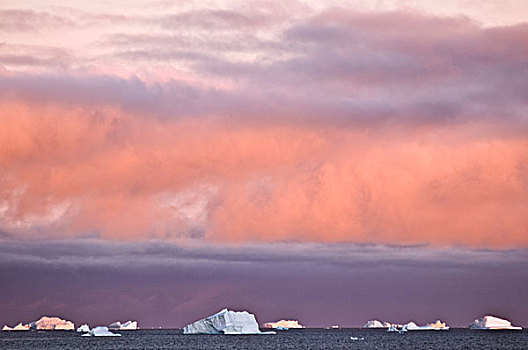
x=293, y=339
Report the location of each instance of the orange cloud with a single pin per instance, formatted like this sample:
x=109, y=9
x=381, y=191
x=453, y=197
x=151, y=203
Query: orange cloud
x=69, y=172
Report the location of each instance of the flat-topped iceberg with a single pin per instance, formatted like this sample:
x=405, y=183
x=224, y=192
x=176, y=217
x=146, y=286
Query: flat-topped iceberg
x=283, y=324
x=225, y=322
x=127, y=326
x=492, y=323
x=18, y=327
x=101, y=331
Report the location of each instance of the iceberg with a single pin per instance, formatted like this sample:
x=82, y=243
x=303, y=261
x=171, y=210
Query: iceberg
x=44, y=323
x=225, y=322
x=128, y=326
x=100, y=331
x=435, y=326
x=83, y=329
x=492, y=323
x=394, y=329
x=52, y=323
x=283, y=324
x=18, y=327
x=411, y=326
x=376, y=324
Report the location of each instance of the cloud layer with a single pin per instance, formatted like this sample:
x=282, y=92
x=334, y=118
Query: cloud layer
x=330, y=125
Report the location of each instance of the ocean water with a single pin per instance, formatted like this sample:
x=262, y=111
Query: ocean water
x=293, y=339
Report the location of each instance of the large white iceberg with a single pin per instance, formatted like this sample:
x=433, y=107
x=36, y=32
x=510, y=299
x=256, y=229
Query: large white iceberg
x=283, y=324
x=18, y=327
x=225, y=322
x=492, y=323
x=100, y=331
x=128, y=326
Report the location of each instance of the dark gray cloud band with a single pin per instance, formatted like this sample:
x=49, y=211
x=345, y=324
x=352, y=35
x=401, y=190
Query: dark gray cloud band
x=170, y=284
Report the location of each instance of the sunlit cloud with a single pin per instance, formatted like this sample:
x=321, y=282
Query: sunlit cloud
x=296, y=123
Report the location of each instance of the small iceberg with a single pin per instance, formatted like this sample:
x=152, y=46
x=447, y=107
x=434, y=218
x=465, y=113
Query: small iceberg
x=226, y=322
x=435, y=326
x=283, y=324
x=375, y=324
x=101, y=331
x=127, y=326
x=18, y=327
x=83, y=329
x=411, y=326
x=52, y=323
x=394, y=329
x=493, y=323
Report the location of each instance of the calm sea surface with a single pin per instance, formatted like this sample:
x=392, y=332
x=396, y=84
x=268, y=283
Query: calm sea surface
x=293, y=339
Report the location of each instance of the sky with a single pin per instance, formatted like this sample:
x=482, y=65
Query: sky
x=331, y=162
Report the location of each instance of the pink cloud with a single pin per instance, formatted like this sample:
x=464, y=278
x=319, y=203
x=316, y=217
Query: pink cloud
x=73, y=171
x=348, y=127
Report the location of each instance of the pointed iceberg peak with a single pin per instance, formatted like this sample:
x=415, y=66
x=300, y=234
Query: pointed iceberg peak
x=18, y=327
x=492, y=323
x=376, y=324
x=411, y=326
x=225, y=322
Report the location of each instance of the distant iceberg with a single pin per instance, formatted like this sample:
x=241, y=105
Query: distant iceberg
x=492, y=323
x=392, y=328
x=18, y=327
x=83, y=329
x=283, y=324
x=376, y=324
x=44, y=323
x=52, y=323
x=411, y=326
x=225, y=322
x=127, y=326
x=436, y=326
x=100, y=331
